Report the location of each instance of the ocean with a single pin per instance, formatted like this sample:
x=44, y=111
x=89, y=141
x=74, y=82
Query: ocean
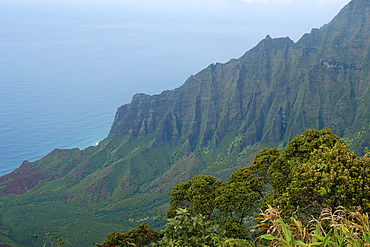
x=65, y=68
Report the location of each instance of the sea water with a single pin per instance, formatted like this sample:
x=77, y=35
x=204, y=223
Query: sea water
x=66, y=68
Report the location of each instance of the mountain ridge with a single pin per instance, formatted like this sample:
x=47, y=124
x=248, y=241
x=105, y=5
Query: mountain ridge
x=213, y=124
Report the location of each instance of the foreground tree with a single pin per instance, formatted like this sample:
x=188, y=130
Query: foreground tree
x=314, y=171
x=142, y=236
x=331, y=177
x=227, y=204
x=276, y=167
x=187, y=230
x=196, y=195
x=236, y=199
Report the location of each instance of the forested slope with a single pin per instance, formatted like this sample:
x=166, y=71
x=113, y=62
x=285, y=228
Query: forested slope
x=213, y=124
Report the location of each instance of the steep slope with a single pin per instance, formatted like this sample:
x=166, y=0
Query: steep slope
x=212, y=124
x=261, y=95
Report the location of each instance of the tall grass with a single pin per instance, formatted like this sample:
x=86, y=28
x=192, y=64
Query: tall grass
x=337, y=228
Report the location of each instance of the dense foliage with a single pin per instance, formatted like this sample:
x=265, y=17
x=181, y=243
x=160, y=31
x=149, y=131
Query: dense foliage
x=316, y=171
x=142, y=236
x=334, y=229
x=181, y=230
x=187, y=230
x=214, y=124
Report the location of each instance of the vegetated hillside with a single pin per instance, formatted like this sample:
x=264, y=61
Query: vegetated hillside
x=213, y=124
x=315, y=178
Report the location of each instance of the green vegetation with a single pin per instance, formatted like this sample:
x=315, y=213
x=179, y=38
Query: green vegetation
x=181, y=230
x=315, y=170
x=334, y=229
x=315, y=173
x=186, y=230
x=200, y=140
x=50, y=241
x=142, y=236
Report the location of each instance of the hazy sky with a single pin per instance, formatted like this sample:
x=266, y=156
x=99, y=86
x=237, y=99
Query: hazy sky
x=252, y=20
x=270, y=14
x=162, y=3
x=279, y=18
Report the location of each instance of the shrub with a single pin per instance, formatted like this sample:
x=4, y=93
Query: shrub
x=334, y=229
x=142, y=236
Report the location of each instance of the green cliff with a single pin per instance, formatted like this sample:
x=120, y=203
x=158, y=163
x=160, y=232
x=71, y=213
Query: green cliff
x=213, y=124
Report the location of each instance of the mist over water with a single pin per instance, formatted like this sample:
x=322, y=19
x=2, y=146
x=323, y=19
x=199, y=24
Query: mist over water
x=66, y=67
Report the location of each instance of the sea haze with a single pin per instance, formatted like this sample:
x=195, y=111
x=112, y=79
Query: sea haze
x=65, y=67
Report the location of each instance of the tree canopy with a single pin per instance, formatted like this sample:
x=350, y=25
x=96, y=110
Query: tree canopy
x=314, y=171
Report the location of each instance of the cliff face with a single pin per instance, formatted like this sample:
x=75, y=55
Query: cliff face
x=213, y=123
x=276, y=90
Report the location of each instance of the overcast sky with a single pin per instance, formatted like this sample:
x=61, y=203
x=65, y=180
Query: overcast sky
x=158, y=2
x=296, y=15
x=279, y=18
x=253, y=18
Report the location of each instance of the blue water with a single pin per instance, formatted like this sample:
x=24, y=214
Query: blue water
x=65, y=68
